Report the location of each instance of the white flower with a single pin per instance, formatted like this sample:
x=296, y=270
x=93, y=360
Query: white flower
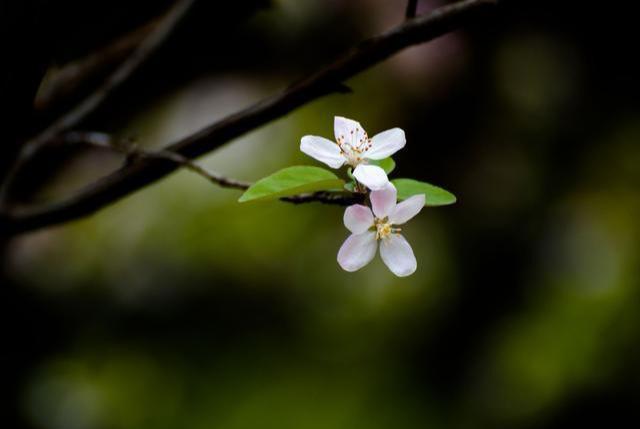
x=368, y=229
x=355, y=148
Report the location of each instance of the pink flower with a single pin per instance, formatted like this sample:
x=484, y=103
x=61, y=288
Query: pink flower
x=378, y=228
x=355, y=148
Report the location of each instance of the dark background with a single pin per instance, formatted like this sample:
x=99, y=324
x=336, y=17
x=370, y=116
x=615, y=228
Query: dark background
x=179, y=307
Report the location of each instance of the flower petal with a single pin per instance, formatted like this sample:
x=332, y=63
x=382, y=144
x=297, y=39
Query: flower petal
x=397, y=254
x=386, y=144
x=407, y=209
x=324, y=150
x=358, y=218
x=357, y=251
x=348, y=131
x=383, y=201
x=372, y=176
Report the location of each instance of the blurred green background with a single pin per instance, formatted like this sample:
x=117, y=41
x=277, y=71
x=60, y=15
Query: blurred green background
x=177, y=307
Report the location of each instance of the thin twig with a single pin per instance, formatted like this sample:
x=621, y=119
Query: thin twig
x=148, y=46
x=131, y=152
x=144, y=172
x=325, y=197
x=62, y=82
x=412, y=9
x=87, y=106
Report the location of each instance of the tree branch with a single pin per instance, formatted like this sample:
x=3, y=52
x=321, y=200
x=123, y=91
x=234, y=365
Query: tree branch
x=148, y=46
x=61, y=83
x=412, y=8
x=132, y=153
x=145, y=171
x=87, y=106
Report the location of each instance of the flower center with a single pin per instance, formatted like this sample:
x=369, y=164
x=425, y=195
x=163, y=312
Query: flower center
x=354, y=145
x=384, y=228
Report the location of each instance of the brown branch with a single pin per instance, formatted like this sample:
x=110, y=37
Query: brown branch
x=87, y=106
x=62, y=82
x=132, y=153
x=325, y=197
x=146, y=171
x=412, y=8
x=148, y=46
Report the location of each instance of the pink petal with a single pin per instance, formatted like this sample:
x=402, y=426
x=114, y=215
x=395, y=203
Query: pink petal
x=397, y=255
x=357, y=251
x=358, y=218
x=407, y=209
x=383, y=201
x=386, y=144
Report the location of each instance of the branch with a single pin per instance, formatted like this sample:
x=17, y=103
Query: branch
x=148, y=46
x=133, y=154
x=412, y=8
x=104, y=141
x=146, y=171
x=61, y=83
x=87, y=106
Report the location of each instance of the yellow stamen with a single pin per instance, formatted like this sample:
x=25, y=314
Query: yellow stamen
x=383, y=229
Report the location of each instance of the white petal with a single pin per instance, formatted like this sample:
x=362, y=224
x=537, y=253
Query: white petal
x=386, y=144
x=407, y=209
x=372, y=176
x=357, y=251
x=383, y=201
x=397, y=254
x=323, y=150
x=358, y=218
x=348, y=131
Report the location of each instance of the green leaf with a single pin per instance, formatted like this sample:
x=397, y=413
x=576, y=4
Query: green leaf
x=387, y=164
x=434, y=196
x=350, y=186
x=291, y=181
